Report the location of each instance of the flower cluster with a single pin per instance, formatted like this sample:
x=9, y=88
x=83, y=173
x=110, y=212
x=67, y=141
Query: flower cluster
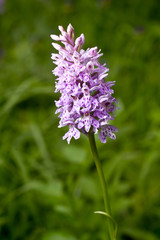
x=86, y=102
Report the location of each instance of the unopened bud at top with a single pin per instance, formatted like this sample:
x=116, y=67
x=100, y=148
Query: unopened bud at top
x=70, y=31
x=63, y=32
x=79, y=42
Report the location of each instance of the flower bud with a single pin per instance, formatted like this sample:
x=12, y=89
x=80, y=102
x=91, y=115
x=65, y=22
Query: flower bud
x=79, y=42
x=56, y=46
x=70, y=31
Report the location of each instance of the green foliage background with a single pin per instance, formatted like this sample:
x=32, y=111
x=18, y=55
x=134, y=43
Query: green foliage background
x=49, y=189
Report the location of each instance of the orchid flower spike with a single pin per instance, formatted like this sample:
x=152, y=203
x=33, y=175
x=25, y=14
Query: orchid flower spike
x=86, y=102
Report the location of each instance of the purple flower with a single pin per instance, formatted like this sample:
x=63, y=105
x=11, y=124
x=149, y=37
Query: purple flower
x=86, y=102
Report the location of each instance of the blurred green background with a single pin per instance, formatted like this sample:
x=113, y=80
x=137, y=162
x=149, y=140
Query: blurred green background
x=49, y=189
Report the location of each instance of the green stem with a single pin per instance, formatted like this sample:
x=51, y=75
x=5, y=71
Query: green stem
x=103, y=184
